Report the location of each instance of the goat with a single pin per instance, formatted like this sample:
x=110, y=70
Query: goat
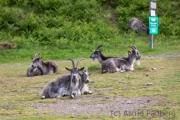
x=84, y=84
x=33, y=71
x=112, y=65
x=137, y=25
x=38, y=67
x=97, y=54
x=67, y=85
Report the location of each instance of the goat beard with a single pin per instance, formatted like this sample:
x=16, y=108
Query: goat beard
x=93, y=59
x=138, y=62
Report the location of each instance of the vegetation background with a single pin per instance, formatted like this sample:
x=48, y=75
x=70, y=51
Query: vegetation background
x=61, y=29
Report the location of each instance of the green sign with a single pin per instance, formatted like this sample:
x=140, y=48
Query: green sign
x=153, y=25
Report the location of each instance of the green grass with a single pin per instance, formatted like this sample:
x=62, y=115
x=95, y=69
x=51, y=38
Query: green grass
x=113, y=47
x=20, y=92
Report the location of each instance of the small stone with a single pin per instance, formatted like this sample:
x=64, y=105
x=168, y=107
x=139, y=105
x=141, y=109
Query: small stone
x=106, y=97
x=129, y=102
x=147, y=75
x=153, y=68
x=149, y=84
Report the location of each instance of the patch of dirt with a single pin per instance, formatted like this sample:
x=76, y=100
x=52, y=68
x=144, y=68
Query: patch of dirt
x=6, y=45
x=162, y=55
x=97, y=105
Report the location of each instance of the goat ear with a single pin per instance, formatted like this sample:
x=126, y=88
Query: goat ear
x=68, y=69
x=81, y=69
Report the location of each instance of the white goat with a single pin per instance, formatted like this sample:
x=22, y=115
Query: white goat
x=38, y=67
x=112, y=65
x=137, y=25
x=84, y=84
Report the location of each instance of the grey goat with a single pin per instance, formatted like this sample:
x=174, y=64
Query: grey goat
x=67, y=85
x=112, y=65
x=38, y=67
x=137, y=25
x=97, y=54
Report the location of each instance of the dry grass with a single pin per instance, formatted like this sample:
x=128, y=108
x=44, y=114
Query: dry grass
x=19, y=93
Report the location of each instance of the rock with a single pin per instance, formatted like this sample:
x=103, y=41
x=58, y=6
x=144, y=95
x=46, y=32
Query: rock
x=149, y=84
x=106, y=97
x=153, y=68
x=148, y=101
x=129, y=102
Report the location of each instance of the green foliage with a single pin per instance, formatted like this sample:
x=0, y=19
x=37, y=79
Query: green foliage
x=82, y=25
x=8, y=19
x=136, y=8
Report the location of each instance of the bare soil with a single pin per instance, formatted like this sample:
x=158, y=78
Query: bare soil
x=98, y=105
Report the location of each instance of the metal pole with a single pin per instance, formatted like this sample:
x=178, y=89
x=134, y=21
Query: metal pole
x=150, y=35
x=151, y=41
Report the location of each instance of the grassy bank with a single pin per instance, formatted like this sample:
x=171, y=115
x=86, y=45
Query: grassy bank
x=21, y=94
x=112, y=47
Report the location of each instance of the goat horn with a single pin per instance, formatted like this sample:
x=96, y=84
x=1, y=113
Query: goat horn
x=37, y=55
x=72, y=62
x=132, y=47
x=99, y=47
x=79, y=62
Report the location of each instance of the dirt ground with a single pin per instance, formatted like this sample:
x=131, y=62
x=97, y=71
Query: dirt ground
x=99, y=105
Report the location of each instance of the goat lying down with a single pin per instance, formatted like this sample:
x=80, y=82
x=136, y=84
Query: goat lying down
x=84, y=82
x=97, y=54
x=68, y=85
x=137, y=25
x=112, y=65
x=38, y=67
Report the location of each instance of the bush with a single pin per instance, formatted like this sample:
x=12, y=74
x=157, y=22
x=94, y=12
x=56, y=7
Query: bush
x=71, y=23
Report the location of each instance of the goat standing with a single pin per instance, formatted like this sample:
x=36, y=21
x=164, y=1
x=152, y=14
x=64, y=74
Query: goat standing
x=38, y=67
x=67, y=85
x=112, y=65
x=137, y=25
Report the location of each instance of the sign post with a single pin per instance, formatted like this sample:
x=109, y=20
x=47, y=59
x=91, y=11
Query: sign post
x=153, y=25
x=153, y=21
